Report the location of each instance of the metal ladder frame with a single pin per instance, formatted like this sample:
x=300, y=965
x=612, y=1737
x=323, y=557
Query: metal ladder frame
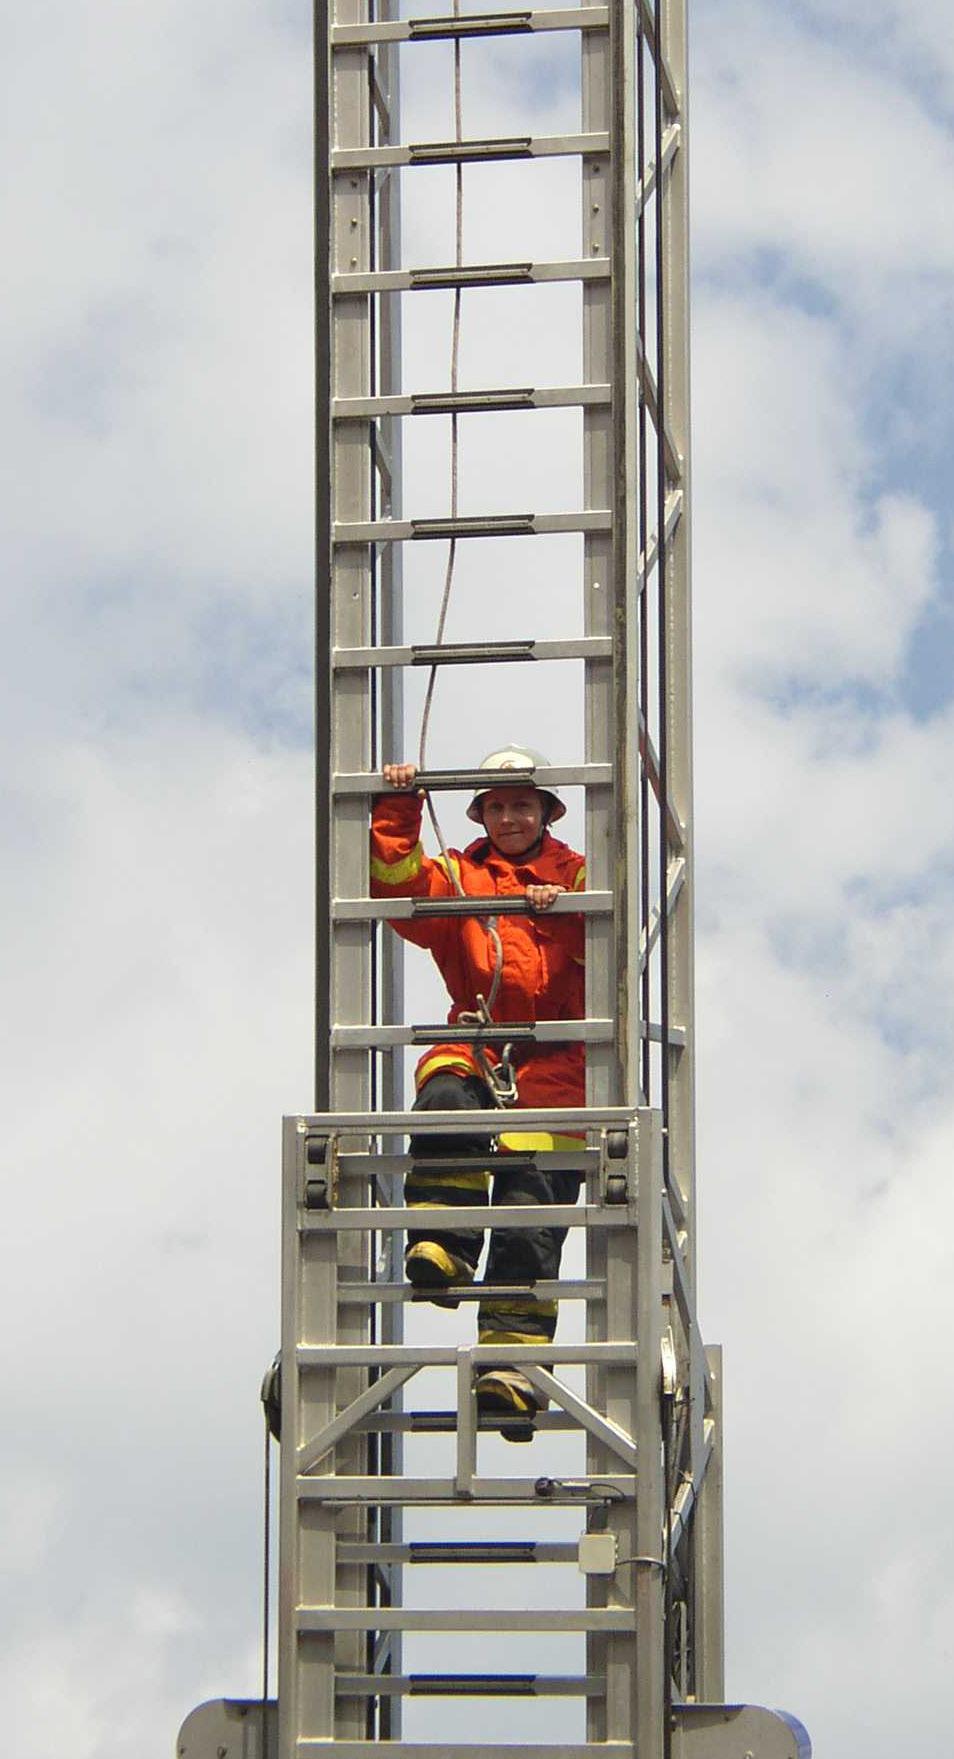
x=650, y=1412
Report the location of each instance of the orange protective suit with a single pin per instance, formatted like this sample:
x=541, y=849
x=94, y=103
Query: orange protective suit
x=542, y=975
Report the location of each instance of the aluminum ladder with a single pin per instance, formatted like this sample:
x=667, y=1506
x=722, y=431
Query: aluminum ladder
x=648, y=1495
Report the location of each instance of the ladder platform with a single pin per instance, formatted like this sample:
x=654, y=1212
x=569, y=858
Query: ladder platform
x=699, y=1731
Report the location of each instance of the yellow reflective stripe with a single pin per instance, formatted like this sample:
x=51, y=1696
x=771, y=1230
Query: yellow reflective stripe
x=444, y=1060
x=475, y=1181
x=540, y=1142
x=579, y=884
x=454, y=866
x=395, y=873
x=486, y=1336
x=545, y=1309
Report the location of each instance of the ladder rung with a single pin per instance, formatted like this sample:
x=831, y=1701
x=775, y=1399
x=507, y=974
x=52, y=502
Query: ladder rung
x=393, y=531
x=468, y=1685
x=467, y=652
x=459, y=1551
x=445, y=1423
x=467, y=152
x=475, y=525
x=545, y=1032
x=557, y=1160
x=606, y=1619
x=472, y=402
x=445, y=1492
x=588, y=647
x=580, y=775
x=382, y=1038
x=392, y=1220
x=476, y=24
x=519, y=1033
x=402, y=909
x=489, y=1122
x=545, y=1351
x=439, y=1164
x=469, y=275
x=356, y=1294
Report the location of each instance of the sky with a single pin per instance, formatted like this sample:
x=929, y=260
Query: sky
x=155, y=807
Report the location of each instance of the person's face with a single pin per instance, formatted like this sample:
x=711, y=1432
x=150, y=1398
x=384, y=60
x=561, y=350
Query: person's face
x=513, y=819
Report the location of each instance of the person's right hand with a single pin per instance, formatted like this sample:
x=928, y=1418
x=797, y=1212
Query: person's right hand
x=399, y=775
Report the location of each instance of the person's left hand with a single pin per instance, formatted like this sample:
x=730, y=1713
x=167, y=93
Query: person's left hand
x=542, y=897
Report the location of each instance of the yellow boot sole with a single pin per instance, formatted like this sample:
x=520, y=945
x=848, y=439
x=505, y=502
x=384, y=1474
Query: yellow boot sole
x=433, y=1270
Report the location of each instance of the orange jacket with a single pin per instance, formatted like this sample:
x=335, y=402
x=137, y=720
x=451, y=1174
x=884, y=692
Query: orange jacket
x=542, y=977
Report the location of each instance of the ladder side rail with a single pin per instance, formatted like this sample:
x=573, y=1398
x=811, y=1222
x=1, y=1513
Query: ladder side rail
x=705, y=1607
x=602, y=949
x=310, y=1572
x=707, y=1539
x=294, y=1252
x=386, y=1580
x=611, y=563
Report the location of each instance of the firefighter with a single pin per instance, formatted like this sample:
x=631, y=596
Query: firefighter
x=527, y=967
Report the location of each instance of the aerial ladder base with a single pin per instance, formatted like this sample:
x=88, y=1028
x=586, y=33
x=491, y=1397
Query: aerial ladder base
x=233, y=1728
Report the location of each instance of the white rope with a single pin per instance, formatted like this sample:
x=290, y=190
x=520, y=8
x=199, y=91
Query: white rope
x=454, y=384
x=504, y=1093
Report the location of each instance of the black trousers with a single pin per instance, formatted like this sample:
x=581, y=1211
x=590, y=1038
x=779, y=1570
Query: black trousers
x=517, y=1255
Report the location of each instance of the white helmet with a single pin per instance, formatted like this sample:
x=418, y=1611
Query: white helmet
x=517, y=757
